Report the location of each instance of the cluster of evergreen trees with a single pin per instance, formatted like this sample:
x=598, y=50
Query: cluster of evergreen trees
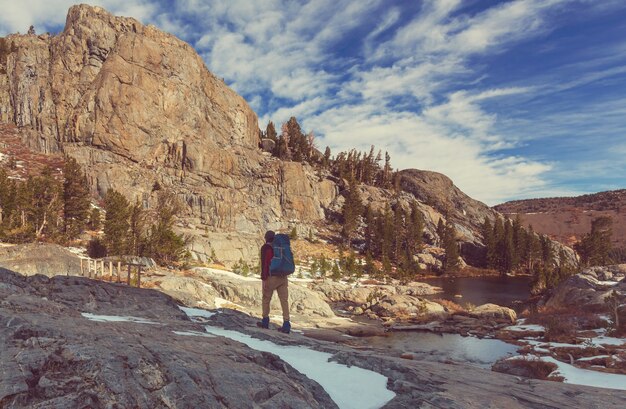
x=392, y=236
x=510, y=248
x=44, y=207
x=292, y=143
x=367, y=168
x=58, y=209
x=595, y=247
x=129, y=229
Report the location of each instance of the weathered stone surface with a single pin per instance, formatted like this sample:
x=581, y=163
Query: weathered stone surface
x=494, y=311
x=137, y=106
x=337, y=291
x=406, y=306
x=201, y=287
x=52, y=357
x=39, y=258
x=55, y=358
x=586, y=290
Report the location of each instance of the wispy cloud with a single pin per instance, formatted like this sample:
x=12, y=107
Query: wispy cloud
x=414, y=78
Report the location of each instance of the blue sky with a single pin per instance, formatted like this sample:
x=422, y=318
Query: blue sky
x=510, y=99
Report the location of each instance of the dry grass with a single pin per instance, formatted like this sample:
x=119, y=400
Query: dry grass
x=529, y=368
x=450, y=306
x=579, y=318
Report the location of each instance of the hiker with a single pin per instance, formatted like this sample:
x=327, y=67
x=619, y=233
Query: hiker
x=275, y=266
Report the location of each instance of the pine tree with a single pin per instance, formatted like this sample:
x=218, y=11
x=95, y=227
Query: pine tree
x=116, y=222
x=441, y=231
x=136, y=229
x=594, y=247
x=75, y=198
x=270, y=131
x=351, y=211
x=490, y=244
x=415, y=229
x=451, y=261
x=399, y=233
x=95, y=219
x=370, y=230
x=162, y=243
x=507, y=249
x=326, y=158
x=386, y=233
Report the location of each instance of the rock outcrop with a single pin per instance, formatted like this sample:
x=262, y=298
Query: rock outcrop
x=38, y=258
x=209, y=288
x=590, y=289
x=55, y=357
x=138, y=108
x=140, y=111
x=494, y=311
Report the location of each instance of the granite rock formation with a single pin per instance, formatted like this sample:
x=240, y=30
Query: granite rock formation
x=137, y=108
x=54, y=357
x=140, y=111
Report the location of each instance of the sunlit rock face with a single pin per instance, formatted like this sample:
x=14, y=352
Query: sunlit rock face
x=138, y=108
x=140, y=111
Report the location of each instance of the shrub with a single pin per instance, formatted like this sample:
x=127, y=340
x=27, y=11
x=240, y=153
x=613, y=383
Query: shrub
x=559, y=329
x=96, y=248
x=529, y=368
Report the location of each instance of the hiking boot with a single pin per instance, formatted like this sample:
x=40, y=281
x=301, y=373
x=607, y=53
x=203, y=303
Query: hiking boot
x=286, y=328
x=264, y=323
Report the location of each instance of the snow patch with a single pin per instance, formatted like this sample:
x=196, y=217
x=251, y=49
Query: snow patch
x=116, y=318
x=197, y=312
x=213, y=271
x=350, y=387
x=591, y=358
x=602, y=340
x=526, y=327
x=580, y=376
x=194, y=334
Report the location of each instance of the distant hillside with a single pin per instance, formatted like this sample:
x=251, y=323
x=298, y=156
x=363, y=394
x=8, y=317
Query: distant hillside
x=566, y=219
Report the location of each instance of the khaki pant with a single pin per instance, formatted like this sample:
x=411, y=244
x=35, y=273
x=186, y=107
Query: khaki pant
x=280, y=284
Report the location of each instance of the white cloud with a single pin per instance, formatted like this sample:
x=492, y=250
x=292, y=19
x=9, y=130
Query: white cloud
x=409, y=84
x=48, y=15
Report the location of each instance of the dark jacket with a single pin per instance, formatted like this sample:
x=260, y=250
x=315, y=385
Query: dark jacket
x=267, y=253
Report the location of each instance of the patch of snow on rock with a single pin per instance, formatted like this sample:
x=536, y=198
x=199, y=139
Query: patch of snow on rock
x=197, y=312
x=116, y=318
x=580, y=376
x=350, y=387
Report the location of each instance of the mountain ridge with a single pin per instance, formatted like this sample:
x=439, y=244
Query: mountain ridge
x=567, y=219
x=137, y=108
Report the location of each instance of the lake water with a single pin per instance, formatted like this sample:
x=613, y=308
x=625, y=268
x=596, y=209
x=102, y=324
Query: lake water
x=503, y=291
x=446, y=347
x=453, y=347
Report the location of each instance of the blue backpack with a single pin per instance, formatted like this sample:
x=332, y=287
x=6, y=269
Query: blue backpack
x=282, y=263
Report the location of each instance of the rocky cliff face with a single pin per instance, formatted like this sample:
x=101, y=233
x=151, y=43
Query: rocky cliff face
x=139, y=109
x=568, y=219
x=136, y=106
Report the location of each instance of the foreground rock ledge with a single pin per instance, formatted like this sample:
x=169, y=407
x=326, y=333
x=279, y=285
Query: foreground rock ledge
x=52, y=357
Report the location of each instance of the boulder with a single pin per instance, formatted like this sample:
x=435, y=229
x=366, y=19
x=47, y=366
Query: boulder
x=207, y=288
x=586, y=290
x=39, y=258
x=406, y=306
x=494, y=311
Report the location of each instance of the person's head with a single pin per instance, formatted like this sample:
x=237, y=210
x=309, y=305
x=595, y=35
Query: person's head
x=269, y=236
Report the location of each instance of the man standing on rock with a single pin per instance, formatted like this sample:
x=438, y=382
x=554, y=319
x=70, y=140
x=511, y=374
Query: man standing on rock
x=279, y=283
